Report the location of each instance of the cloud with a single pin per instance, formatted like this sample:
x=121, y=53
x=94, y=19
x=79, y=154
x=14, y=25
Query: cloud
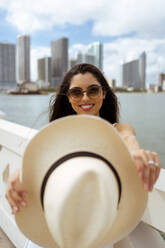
x=30, y=16
x=110, y=18
x=144, y=18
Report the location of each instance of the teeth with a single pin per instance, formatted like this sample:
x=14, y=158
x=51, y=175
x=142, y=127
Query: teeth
x=86, y=106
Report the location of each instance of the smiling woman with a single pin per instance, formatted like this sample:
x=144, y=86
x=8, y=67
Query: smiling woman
x=85, y=90
x=99, y=99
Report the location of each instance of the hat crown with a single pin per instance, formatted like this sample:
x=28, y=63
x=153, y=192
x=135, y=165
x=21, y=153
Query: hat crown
x=86, y=199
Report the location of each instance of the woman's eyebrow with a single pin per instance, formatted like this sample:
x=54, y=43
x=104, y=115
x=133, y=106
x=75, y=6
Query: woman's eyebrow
x=77, y=87
x=94, y=84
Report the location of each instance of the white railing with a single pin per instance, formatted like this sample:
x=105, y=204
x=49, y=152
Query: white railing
x=13, y=140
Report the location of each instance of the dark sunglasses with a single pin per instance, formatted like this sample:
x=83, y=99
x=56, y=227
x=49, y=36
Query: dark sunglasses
x=93, y=91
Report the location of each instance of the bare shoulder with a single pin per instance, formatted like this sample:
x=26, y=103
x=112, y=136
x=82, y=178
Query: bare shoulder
x=125, y=128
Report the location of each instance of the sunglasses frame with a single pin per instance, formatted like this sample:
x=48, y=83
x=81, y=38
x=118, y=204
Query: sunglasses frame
x=84, y=91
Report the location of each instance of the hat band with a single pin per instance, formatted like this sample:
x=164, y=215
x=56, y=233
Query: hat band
x=73, y=155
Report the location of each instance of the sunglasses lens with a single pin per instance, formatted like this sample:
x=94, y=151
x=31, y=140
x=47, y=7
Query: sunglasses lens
x=93, y=91
x=75, y=93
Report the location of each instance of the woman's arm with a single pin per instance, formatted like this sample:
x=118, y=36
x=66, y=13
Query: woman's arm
x=128, y=134
x=147, y=172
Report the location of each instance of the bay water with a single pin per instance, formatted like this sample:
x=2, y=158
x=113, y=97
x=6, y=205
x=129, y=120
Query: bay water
x=144, y=111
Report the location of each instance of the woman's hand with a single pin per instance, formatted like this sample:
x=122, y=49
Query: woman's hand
x=15, y=193
x=147, y=163
x=148, y=167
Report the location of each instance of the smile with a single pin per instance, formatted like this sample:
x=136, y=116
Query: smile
x=86, y=107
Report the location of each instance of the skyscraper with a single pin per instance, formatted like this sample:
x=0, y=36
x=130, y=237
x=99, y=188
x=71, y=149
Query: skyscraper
x=142, y=70
x=72, y=62
x=44, y=70
x=80, y=58
x=7, y=66
x=59, y=54
x=133, y=73
x=89, y=58
x=96, y=49
x=85, y=58
x=23, y=58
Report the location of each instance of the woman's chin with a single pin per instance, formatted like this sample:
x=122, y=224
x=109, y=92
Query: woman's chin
x=88, y=113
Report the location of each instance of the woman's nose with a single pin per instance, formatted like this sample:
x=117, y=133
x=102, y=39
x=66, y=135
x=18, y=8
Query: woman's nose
x=85, y=96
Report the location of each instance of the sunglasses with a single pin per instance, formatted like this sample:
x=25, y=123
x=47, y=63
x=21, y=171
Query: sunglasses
x=93, y=91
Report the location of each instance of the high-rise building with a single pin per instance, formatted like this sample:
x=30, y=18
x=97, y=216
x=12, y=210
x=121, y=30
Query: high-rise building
x=72, y=62
x=44, y=70
x=85, y=58
x=89, y=58
x=7, y=66
x=142, y=70
x=161, y=84
x=133, y=73
x=96, y=49
x=112, y=83
x=59, y=54
x=80, y=58
x=23, y=58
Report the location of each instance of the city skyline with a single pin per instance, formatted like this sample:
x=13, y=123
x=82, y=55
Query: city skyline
x=50, y=70
x=125, y=36
x=84, y=50
x=133, y=73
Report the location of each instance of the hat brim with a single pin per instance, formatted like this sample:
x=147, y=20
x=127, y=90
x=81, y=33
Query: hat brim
x=73, y=134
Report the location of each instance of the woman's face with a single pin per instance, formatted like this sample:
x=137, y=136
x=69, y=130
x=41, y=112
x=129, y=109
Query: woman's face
x=87, y=104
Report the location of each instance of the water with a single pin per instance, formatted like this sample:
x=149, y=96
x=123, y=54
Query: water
x=28, y=110
x=145, y=112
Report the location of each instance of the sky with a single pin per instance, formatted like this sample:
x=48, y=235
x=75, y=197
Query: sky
x=126, y=28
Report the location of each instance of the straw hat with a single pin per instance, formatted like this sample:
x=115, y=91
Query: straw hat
x=83, y=188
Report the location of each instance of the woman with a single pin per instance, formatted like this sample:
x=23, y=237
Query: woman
x=85, y=90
